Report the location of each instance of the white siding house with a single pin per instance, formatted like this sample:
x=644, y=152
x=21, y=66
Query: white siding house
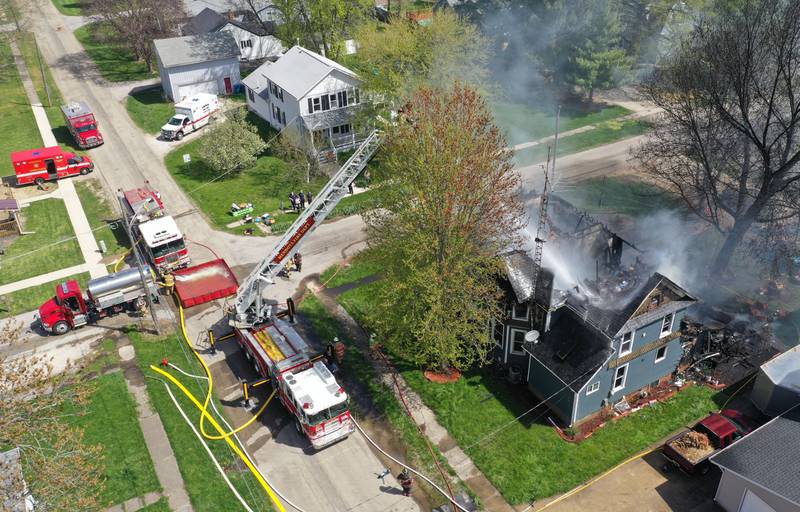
x=254, y=38
x=309, y=93
x=202, y=63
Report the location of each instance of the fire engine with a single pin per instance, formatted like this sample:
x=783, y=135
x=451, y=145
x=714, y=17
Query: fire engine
x=47, y=164
x=161, y=239
x=82, y=124
x=106, y=296
x=305, y=387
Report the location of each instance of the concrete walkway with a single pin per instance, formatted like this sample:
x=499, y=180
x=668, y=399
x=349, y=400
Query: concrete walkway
x=77, y=217
x=137, y=503
x=155, y=437
x=43, y=278
x=423, y=416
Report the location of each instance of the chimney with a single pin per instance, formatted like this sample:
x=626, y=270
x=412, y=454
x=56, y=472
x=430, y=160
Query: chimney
x=231, y=15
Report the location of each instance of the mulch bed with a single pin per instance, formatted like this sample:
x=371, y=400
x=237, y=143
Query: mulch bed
x=442, y=378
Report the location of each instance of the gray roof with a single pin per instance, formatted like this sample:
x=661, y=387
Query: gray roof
x=784, y=369
x=298, y=70
x=209, y=20
x=195, y=49
x=768, y=456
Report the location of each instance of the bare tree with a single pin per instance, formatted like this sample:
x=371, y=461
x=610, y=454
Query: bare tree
x=139, y=22
x=728, y=141
x=61, y=471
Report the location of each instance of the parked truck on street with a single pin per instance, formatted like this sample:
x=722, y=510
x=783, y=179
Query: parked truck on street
x=191, y=114
x=82, y=124
x=48, y=164
x=71, y=308
x=690, y=449
x=160, y=239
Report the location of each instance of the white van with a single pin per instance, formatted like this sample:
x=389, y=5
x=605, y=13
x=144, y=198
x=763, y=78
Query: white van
x=191, y=114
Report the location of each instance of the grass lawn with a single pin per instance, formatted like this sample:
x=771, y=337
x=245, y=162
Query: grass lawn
x=70, y=7
x=360, y=267
x=160, y=506
x=605, y=133
x=149, y=110
x=110, y=421
x=625, y=196
x=17, y=123
x=207, y=490
x=31, y=298
x=52, y=246
x=357, y=367
x=523, y=123
x=100, y=212
x=27, y=46
x=113, y=58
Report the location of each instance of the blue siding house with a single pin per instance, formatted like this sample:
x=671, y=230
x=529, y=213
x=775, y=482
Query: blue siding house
x=589, y=356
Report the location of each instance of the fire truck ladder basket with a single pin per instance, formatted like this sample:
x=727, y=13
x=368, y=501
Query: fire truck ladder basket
x=249, y=307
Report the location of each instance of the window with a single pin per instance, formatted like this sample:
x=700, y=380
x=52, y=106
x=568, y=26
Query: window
x=283, y=118
x=316, y=104
x=310, y=106
x=345, y=128
x=517, y=341
x=251, y=95
x=661, y=354
x=333, y=101
x=246, y=43
x=342, y=95
x=519, y=311
x=497, y=332
x=594, y=386
x=335, y=130
x=326, y=104
x=666, y=325
x=626, y=345
x=619, y=378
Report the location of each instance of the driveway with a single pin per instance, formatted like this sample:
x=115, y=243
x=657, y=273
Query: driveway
x=642, y=486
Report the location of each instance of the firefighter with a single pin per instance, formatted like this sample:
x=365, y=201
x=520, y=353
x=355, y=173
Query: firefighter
x=298, y=261
x=405, y=482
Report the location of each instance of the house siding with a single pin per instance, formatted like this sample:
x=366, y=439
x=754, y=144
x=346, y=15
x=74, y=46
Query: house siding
x=172, y=79
x=543, y=383
x=262, y=46
x=731, y=490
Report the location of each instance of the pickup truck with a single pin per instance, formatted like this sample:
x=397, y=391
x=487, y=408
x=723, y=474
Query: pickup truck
x=690, y=449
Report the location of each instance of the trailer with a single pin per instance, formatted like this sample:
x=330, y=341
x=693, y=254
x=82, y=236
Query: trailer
x=48, y=164
x=161, y=239
x=82, y=124
x=71, y=308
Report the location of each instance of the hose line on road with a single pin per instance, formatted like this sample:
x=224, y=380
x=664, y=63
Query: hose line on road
x=431, y=482
x=208, y=450
x=234, y=446
x=120, y=260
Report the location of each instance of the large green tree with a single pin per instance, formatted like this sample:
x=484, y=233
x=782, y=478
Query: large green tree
x=449, y=210
x=232, y=145
x=319, y=25
x=397, y=58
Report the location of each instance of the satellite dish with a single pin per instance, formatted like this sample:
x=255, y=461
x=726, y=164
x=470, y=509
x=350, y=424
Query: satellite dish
x=532, y=337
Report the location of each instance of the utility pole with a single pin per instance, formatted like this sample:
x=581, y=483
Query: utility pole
x=555, y=147
x=139, y=262
x=41, y=70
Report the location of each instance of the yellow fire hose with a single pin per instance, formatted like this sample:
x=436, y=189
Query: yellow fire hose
x=234, y=446
x=120, y=260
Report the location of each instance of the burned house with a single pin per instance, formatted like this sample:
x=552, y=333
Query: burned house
x=607, y=326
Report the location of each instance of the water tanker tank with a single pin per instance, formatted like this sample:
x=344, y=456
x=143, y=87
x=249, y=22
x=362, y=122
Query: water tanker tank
x=119, y=281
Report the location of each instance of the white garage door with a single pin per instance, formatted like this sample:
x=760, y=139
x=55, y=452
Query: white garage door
x=752, y=503
x=187, y=90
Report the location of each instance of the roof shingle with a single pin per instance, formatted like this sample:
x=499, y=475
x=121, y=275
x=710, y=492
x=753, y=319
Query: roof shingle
x=195, y=49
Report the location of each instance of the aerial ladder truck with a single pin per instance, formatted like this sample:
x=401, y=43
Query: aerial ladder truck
x=304, y=385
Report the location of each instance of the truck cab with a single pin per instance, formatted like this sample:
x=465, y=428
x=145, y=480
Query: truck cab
x=65, y=311
x=82, y=124
x=48, y=164
x=165, y=244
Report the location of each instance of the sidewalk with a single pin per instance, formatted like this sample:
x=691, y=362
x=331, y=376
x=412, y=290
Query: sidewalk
x=43, y=278
x=80, y=224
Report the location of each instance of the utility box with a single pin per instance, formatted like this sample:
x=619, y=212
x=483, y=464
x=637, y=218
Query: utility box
x=777, y=386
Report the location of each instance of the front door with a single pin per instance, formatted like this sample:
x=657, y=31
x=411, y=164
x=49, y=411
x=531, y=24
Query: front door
x=228, y=85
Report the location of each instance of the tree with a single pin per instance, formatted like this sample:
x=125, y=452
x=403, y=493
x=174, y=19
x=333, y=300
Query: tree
x=62, y=472
x=397, y=58
x=728, y=140
x=232, y=145
x=139, y=22
x=320, y=25
x=449, y=210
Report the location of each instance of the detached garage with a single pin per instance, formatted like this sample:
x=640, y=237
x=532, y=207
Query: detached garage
x=200, y=63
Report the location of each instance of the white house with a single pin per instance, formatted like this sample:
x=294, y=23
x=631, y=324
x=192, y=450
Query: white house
x=310, y=93
x=254, y=38
x=201, y=63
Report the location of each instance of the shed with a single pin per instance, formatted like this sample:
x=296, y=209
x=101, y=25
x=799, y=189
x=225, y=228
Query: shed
x=777, y=387
x=198, y=63
x=760, y=472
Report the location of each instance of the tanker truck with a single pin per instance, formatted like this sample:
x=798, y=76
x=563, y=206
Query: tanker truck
x=105, y=296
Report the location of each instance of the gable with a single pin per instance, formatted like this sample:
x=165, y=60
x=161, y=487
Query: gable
x=335, y=81
x=660, y=296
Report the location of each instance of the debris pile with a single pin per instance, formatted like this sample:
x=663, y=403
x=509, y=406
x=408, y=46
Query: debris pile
x=693, y=446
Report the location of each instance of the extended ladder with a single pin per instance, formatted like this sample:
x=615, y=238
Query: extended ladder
x=250, y=309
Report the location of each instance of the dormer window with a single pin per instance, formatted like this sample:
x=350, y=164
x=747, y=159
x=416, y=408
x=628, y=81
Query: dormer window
x=626, y=344
x=519, y=311
x=666, y=324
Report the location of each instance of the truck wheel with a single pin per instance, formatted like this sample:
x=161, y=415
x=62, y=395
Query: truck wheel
x=704, y=469
x=39, y=182
x=61, y=327
x=84, y=171
x=179, y=136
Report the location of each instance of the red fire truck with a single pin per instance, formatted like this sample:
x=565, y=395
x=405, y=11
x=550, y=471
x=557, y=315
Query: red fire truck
x=162, y=240
x=306, y=388
x=82, y=124
x=48, y=164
